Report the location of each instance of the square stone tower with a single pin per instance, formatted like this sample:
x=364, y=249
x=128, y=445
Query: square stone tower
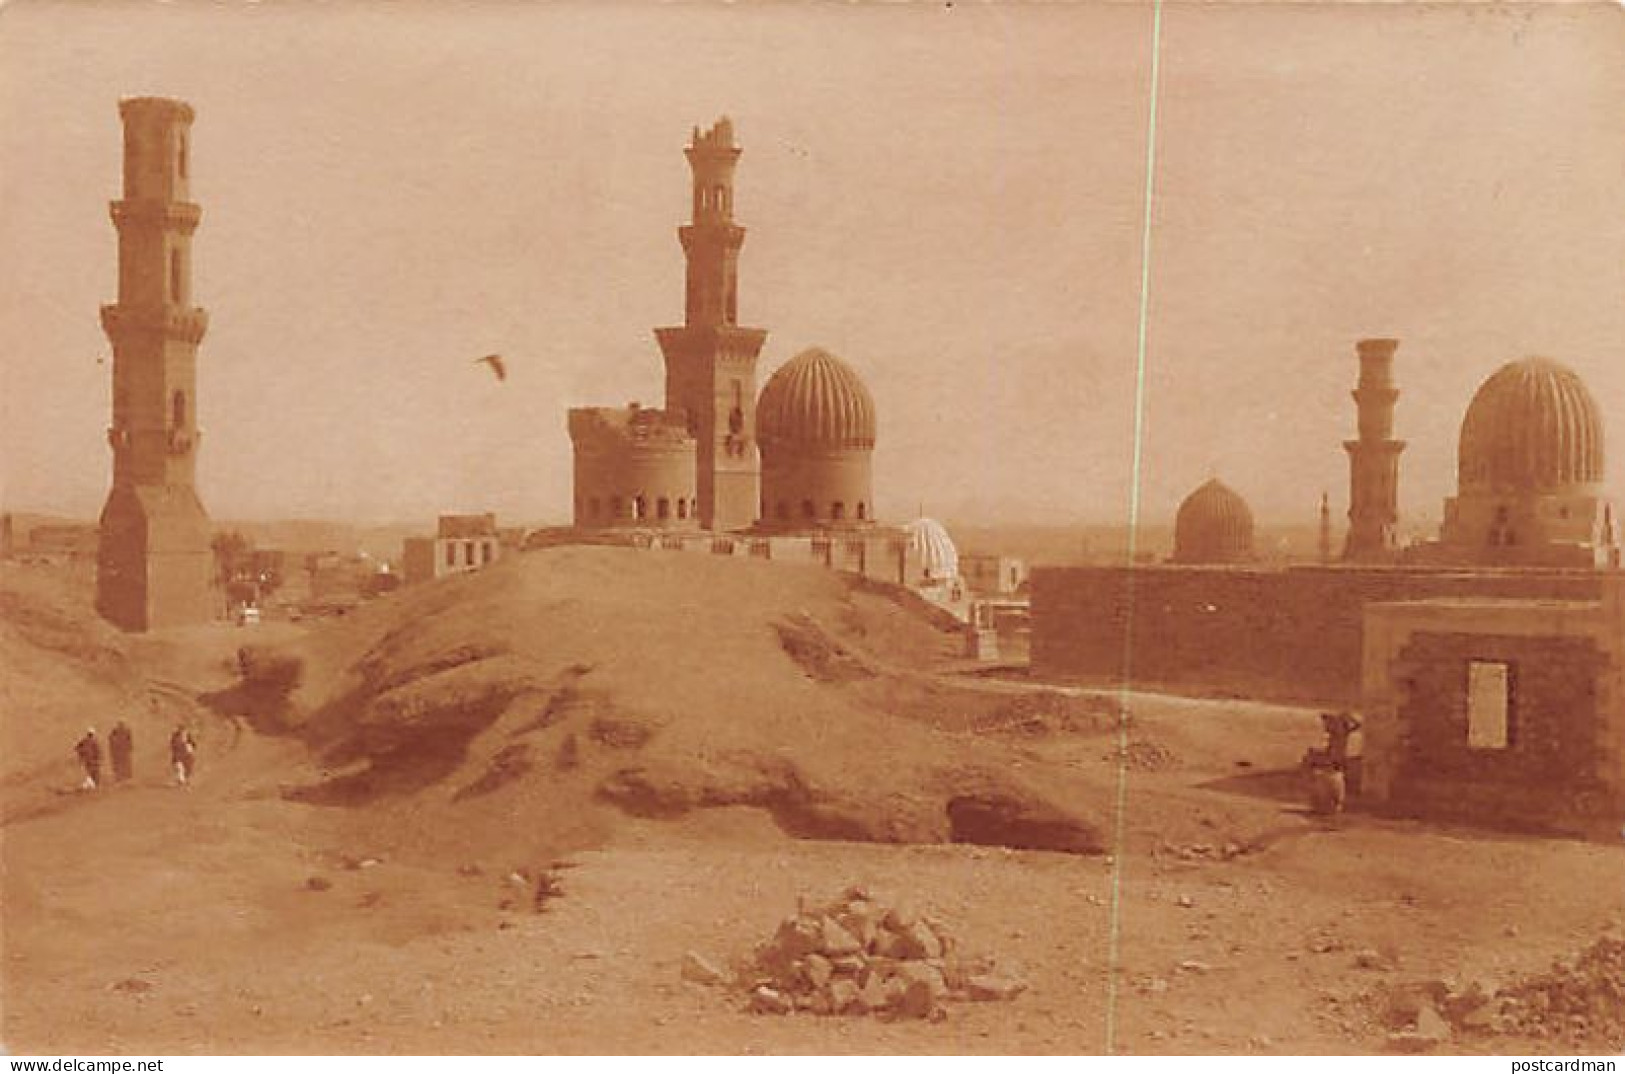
x=154, y=566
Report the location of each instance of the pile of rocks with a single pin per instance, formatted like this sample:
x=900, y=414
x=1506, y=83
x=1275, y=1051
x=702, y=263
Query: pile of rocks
x=1578, y=1000
x=1583, y=998
x=859, y=956
x=1203, y=851
x=1045, y=713
x=1412, y=1013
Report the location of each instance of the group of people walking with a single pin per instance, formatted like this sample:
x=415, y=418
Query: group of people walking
x=121, y=752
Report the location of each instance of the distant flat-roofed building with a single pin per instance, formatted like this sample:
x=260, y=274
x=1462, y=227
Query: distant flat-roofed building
x=461, y=543
x=991, y=575
x=69, y=540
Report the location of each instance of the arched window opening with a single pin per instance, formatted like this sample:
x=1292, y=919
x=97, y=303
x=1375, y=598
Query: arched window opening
x=175, y=276
x=180, y=157
x=837, y=510
x=640, y=506
x=177, y=410
x=863, y=511
x=682, y=507
x=663, y=508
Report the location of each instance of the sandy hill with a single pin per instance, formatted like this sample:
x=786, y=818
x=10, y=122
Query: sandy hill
x=595, y=683
x=64, y=669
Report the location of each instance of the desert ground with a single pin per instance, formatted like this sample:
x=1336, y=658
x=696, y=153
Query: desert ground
x=687, y=748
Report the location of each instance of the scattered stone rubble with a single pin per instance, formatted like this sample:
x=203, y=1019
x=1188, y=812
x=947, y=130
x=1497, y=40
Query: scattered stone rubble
x=1582, y=999
x=1203, y=851
x=859, y=956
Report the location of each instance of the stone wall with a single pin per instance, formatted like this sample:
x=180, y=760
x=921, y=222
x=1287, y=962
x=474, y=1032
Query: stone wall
x=1563, y=765
x=1285, y=634
x=1554, y=720
x=1553, y=717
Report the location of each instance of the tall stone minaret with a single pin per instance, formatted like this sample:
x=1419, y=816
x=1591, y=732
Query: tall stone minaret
x=710, y=360
x=153, y=564
x=1374, y=458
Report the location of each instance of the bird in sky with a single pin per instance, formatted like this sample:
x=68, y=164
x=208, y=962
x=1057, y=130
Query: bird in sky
x=495, y=362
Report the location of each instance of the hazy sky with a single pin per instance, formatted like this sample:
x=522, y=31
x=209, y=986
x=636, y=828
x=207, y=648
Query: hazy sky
x=948, y=197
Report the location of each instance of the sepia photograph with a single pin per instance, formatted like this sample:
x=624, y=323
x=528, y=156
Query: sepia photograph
x=803, y=528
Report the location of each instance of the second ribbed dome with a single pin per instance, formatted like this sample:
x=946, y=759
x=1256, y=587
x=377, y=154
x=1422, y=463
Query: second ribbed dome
x=815, y=398
x=1214, y=525
x=1531, y=427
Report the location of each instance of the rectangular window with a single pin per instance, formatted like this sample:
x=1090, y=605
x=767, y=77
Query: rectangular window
x=1489, y=698
x=451, y=554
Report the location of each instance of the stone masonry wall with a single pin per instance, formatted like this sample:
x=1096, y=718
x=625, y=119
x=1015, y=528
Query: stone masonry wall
x=1292, y=634
x=1553, y=716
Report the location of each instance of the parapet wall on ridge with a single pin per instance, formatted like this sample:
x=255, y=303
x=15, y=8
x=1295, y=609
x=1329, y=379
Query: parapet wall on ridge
x=1290, y=634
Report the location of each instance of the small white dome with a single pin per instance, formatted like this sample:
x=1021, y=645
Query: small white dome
x=928, y=539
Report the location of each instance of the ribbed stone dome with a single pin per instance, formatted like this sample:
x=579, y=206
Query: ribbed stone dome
x=1214, y=525
x=1532, y=427
x=928, y=539
x=815, y=398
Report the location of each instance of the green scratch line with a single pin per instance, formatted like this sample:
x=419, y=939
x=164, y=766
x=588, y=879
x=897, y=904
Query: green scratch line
x=1115, y=941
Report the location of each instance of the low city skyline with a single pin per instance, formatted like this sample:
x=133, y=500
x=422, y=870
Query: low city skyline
x=949, y=199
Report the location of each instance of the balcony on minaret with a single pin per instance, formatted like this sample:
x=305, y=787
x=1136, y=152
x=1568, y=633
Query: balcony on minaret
x=182, y=216
x=186, y=325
